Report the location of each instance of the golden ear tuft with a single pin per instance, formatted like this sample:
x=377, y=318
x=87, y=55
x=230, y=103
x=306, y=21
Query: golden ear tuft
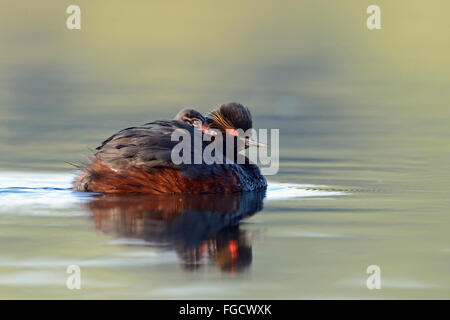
x=218, y=120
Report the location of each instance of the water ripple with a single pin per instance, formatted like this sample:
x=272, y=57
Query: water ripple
x=43, y=191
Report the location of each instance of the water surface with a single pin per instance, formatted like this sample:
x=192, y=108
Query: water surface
x=364, y=168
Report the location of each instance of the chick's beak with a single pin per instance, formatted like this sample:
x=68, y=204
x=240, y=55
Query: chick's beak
x=207, y=130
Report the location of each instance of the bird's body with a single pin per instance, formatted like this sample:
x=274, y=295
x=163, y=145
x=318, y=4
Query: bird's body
x=138, y=160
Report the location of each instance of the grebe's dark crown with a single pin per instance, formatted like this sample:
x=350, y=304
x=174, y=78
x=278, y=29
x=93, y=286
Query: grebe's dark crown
x=231, y=115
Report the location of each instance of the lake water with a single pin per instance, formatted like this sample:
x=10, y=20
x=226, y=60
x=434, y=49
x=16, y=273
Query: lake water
x=364, y=173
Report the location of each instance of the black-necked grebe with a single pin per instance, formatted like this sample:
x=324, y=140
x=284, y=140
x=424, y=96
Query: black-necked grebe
x=138, y=159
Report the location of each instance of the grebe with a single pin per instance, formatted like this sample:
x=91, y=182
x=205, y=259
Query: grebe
x=138, y=159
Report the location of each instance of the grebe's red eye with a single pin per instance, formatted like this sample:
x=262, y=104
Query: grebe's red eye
x=233, y=132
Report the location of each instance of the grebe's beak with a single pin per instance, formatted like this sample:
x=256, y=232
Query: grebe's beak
x=252, y=143
x=247, y=141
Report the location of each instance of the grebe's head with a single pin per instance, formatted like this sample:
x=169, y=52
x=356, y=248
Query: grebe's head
x=232, y=116
x=191, y=116
x=194, y=118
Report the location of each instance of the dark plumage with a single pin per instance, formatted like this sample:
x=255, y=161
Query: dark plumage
x=190, y=116
x=138, y=159
x=231, y=115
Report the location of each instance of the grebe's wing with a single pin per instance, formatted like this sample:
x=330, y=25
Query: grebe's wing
x=146, y=146
x=149, y=147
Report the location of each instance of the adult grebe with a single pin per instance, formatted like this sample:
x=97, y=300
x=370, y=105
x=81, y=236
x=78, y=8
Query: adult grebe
x=138, y=159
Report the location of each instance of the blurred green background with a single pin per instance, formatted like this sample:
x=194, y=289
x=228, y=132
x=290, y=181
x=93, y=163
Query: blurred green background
x=356, y=109
x=62, y=91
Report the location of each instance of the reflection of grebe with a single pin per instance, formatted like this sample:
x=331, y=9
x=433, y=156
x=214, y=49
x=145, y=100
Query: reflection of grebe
x=200, y=228
x=138, y=159
x=230, y=249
